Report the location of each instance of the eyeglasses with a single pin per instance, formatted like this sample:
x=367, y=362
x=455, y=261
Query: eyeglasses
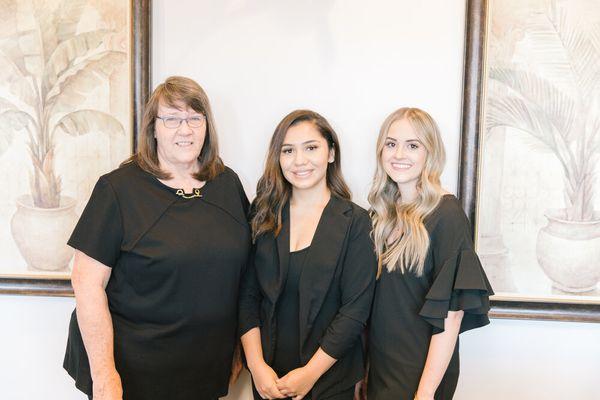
x=174, y=122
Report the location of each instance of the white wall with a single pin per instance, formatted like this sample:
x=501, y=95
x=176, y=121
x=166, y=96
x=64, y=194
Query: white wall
x=260, y=59
x=32, y=344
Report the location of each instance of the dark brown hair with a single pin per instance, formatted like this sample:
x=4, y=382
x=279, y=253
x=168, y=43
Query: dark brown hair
x=273, y=191
x=178, y=89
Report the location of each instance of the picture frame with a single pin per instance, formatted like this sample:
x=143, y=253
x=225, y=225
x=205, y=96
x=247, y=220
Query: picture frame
x=469, y=180
x=140, y=79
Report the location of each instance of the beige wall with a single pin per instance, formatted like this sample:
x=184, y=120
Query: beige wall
x=260, y=59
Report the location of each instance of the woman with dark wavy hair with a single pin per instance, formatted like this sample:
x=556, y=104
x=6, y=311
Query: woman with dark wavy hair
x=306, y=296
x=160, y=248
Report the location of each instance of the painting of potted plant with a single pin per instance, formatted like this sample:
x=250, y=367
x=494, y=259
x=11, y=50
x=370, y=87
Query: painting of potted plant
x=51, y=63
x=555, y=101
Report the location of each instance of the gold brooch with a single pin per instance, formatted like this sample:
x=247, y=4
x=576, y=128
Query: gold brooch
x=181, y=193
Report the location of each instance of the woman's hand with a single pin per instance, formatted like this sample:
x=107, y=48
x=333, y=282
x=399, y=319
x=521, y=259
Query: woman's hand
x=264, y=380
x=297, y=383
x=263, y=376
x=108, y=387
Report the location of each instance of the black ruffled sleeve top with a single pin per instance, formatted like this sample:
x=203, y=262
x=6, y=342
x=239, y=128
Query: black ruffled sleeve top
x=409, y=309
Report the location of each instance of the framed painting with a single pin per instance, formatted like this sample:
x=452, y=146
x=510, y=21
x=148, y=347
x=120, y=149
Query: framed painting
x=74, y=76
x=529, y=173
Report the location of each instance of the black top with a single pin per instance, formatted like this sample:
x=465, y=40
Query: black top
x=176, y=264
x=408, y=310
x=287, y=344
x=335, y=292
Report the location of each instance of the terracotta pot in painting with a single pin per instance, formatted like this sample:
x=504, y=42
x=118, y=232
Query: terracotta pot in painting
x=569, y=252
x=41, y=234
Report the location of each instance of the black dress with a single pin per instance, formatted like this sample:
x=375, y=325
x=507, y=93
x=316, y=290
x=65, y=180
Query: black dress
x=287, y=347
x=408, y=310
x=172, y=295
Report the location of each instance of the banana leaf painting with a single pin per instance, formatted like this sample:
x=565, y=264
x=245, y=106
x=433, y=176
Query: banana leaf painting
x=64, y=120
x=538, y=225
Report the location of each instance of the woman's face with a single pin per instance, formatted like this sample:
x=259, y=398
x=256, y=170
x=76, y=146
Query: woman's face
x=403, y=155
x=178, y=146
x=304, y=157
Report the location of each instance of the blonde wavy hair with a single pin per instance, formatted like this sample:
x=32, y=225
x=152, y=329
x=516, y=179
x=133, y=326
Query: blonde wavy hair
x=408, y=249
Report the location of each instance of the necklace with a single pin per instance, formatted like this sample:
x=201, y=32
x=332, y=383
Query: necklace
x=184, y=195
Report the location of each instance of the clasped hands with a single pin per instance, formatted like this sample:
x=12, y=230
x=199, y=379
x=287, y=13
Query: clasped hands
x=295, y=384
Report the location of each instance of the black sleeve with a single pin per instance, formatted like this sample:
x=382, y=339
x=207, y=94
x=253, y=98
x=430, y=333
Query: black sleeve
x=243, y=197
x=357, y=288
x=250, y=298
x=459, y=280
x=99, y=232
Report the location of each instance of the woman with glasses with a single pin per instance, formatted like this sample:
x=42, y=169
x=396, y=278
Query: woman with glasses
x=160, y=248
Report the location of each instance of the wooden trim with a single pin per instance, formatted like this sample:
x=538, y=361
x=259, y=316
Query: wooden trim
x=476, y=25
x=36, y=287
x=141, y=65
x=545, y=311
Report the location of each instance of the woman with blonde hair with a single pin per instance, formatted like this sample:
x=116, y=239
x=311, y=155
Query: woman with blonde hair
x=431, y=285
x=306, y=297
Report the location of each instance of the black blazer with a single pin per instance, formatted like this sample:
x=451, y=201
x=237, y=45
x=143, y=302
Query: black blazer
x=336, y=289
